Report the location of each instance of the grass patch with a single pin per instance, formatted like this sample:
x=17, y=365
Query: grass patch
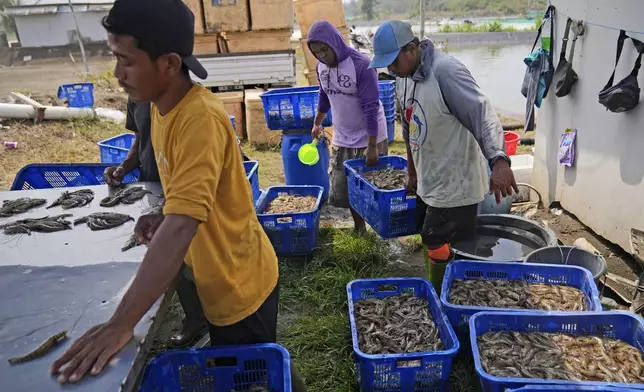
x=52, y=141
x=319, y=337
x=490, y=27
x=271, y=171
x=320, y=347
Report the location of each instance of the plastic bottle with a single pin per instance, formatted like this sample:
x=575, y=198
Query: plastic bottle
x=545, y=34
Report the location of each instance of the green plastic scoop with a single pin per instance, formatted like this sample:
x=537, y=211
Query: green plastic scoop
x=308, y=153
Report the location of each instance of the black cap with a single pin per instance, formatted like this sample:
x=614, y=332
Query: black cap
x=168, y=25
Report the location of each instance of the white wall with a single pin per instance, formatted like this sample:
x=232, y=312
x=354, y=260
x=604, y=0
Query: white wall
x=53, y=29
x=605, y=187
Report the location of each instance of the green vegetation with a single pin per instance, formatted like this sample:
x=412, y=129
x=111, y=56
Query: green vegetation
x=313, y=298
x=443, y=8
x=368, y=9
x=491, y=27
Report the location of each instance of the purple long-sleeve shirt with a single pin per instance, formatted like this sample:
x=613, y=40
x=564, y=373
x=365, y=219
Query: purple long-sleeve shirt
x=350, y=89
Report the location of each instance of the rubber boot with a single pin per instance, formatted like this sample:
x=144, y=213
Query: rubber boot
x=435, y=266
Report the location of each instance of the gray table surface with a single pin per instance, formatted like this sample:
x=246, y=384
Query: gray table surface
x=69, y=280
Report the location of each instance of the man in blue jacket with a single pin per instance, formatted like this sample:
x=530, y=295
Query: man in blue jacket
x=452, y=133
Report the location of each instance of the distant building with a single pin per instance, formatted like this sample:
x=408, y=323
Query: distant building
x=49, y=23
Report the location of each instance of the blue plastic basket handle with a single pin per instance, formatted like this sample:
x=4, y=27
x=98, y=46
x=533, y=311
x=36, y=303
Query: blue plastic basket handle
x=409, y=363
x=384, y=288
x=113, y=151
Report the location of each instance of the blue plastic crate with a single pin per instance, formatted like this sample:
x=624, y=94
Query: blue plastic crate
x=415, y=372
x=391, y=128
x=617, y=325
x=390, y=112
x=388, y=102
x=535, y=273
x=235, y=368
x=389, y=213
x=78, y=95
x=115, y=149
x=387, y=89
x=291, y=234
x=564, y=388
x=252, y=172
x=386, y=86
x=64, y=175
x=386, y=95
x=292, y=108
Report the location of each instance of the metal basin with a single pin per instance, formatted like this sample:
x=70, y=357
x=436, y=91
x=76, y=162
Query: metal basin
x=502, y=237
x=571, y=255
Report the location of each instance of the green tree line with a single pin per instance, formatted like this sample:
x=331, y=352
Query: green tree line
x=373, y=9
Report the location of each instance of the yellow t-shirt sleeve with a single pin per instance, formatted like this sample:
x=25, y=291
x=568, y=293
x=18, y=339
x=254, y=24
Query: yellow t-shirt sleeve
x=196, y=163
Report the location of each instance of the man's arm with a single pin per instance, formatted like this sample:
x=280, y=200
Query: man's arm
x=411, y=168
x=190, y=195
x=160, y=265
x=131, y=161
x=471, y=107
x=324, y=105
x=369, y=100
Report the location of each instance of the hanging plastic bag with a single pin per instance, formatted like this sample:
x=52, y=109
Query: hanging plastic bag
x=567, y=147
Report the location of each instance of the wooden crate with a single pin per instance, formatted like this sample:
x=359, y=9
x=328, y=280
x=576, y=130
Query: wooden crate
x=308, y=12
x=259, y=41
x=206, y=44
x=311, y=61
x=234, y=104
x=196, y=8
x=256, y=128
x=271, y=14
x=226, y=15
x=312, y=77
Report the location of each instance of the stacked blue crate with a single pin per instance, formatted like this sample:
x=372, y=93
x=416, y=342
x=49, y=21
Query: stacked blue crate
x=387, y=90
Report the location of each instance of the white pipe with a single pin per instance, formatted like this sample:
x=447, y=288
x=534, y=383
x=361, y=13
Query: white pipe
x=14, y=110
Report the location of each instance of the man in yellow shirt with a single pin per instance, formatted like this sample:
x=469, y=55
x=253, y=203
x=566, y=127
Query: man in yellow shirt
x=209, y=217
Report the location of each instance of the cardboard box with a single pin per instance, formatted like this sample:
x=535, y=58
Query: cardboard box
x=308, y=12
x=259, y=41
x=226, y=15
x=256, y=128
x=312, y=77
x=196, y=7
x=206, y=44
x=271, y=14
x=234, y=104
x=311, y=61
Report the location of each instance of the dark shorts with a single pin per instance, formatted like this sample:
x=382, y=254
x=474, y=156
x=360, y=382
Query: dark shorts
x=259, y=327
x=439, y=226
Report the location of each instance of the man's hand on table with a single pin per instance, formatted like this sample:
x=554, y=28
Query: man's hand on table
x=114, y=175
x=92, y=351
x=145, y=228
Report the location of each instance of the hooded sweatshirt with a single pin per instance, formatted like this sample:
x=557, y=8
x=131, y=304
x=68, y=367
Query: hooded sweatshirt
x=350, y=89
x=451, y=128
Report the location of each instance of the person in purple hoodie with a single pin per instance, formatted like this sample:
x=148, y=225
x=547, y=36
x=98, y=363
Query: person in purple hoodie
x=350, y=88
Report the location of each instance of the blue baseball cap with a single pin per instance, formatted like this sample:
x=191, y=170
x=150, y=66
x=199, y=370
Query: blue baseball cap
x=389, y=39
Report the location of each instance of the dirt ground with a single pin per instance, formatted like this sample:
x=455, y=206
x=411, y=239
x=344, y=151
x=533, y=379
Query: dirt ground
x=568, y=229
x=44, y=76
